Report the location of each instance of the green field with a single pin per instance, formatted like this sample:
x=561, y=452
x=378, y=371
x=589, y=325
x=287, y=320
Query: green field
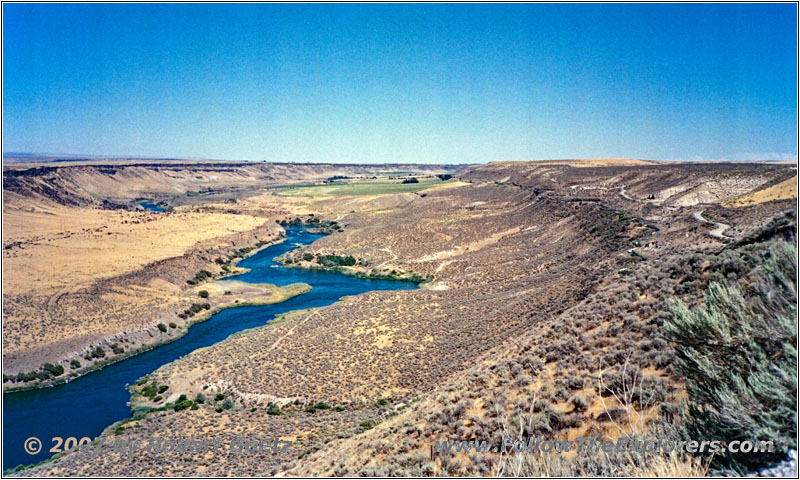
x=366, y=187
x=397, y=173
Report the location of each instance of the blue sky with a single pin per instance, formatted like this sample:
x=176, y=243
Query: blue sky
x=402, y=83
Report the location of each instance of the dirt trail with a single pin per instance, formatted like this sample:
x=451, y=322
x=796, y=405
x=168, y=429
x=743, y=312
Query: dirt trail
x=390, y=252
x=717, y=231
x=625, y=195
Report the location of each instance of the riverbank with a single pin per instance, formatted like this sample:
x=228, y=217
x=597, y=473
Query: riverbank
x=179, y=330
x=100, y=400
x=357, y=271
x=278, y=295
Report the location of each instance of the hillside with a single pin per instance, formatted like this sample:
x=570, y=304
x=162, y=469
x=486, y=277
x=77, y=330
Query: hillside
x=549, y=287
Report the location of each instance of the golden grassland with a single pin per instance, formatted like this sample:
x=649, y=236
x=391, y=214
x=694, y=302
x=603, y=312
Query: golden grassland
x=66, y=247
x=784, y=190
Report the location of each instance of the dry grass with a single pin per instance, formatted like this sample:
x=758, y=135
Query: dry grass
x=784, y=190
x=58, y=246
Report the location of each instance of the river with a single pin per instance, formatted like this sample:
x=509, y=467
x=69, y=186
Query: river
x=87, y=405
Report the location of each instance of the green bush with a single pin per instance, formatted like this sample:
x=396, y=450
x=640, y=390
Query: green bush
x=183, y=403
x=274, y=409
x=163, y=388
x=117, y=349
x=227, y=404
x=219, y=396
x=173, y=325
x=366, y=425
x=738, y=354
x=162, y=327
x=198, y=307
x=200, y=398
x=53, y=370
x=74, y=364
x=26, y=377
x=203, y=294
x=97, y=353
x=149, y=391
x=119, y=430
x=331, y=260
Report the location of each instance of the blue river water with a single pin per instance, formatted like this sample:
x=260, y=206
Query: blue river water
x=87, y=405
x=153, y=207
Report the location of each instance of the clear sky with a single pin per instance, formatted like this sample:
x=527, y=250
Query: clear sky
x=402, y=83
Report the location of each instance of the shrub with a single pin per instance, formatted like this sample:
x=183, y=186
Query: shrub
x=218, y=409
x=162, y=327
x=738, y=354
x=119, y=430
x=219, y=396
x=579, y=403
x=330, y=260
x=200, y=398
x=444, y=176
x=183, y=403
x=227, y=404
x=117, y=349
x=366, y=425
x=308, y=257
x=202, y=294
x=97, y=353
x=410, y=180
x=198, y=307
x=173, y=325
x=163, y=388
x=74, y=364
x=26, y=377
x=53, y=370
x=274, y=409
x=149, y=391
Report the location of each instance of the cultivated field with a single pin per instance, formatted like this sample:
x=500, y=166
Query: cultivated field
x=362, y=187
